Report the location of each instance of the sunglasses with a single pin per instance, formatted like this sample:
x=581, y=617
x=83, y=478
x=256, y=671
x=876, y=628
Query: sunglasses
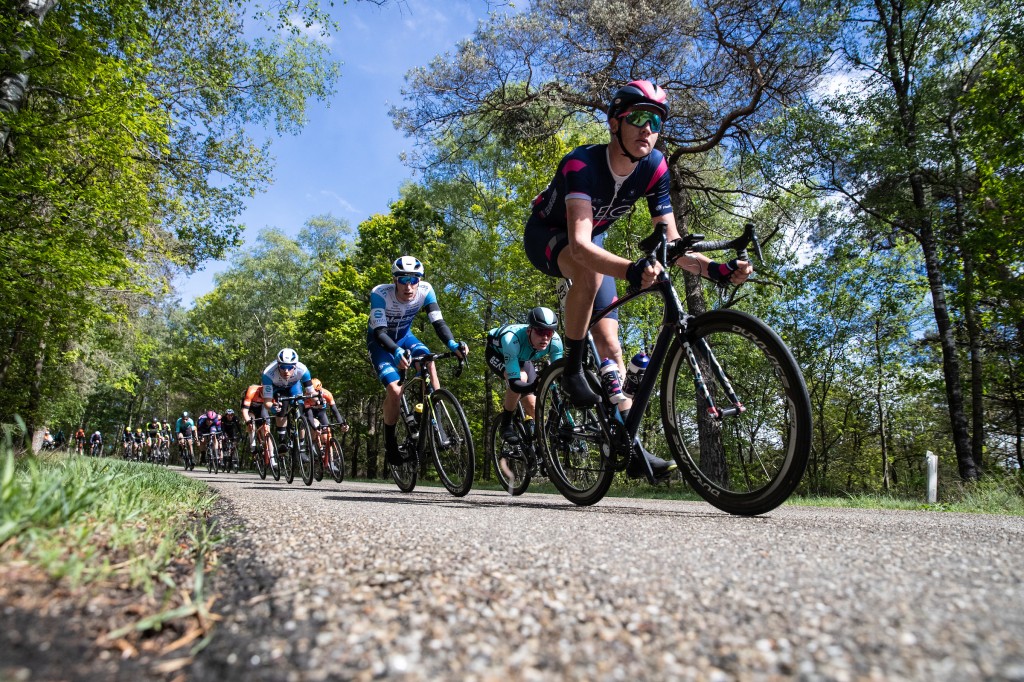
x=407, y=279
x=543, y=333
x=286, y=368
x=640, y=118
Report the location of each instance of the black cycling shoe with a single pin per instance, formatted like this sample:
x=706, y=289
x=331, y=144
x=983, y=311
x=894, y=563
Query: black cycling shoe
x=393, y=456
x=578, y=391
x=659, y=467
x=509, y=435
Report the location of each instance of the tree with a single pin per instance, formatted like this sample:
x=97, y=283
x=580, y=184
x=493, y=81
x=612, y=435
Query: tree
x=889, y=144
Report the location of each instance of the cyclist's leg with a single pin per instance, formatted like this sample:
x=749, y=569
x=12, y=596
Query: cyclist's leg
x=389, y=376
x=579, y=303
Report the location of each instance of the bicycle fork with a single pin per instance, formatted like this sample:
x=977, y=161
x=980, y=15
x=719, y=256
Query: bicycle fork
x=702, y=387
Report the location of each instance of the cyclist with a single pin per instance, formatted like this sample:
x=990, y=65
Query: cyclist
x=511, y=351
x=252, y=413
x=231, y=427
x=284, y=377
x=126, y=441
x=165, y=428
x=390, y=340
x=96, y=444
x=80, y=441
x=184, y=427
x=138, y=441
x=153, y=429
x=564, y=236
x=208, y=427
x=316, y=412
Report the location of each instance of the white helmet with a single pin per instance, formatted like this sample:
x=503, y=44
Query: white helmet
x=96, y=434
x=287, y=356
x=406, y=266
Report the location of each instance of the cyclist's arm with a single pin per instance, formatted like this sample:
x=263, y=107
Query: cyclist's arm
x=581, y=248
x=380, y=335
x=437, y=319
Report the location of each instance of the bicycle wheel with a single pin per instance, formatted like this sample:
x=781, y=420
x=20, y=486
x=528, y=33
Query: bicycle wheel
x=303, y=449
x=451, y=443
x=572, y=440
x=274, y=455
x=318, y=455
x=287, y=458
x=405, y=473
x=335, y=459
x=514, y=474
x=258, y=458
x=745, y=463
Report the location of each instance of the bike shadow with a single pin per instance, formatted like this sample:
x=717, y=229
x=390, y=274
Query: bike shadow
x=477, y=501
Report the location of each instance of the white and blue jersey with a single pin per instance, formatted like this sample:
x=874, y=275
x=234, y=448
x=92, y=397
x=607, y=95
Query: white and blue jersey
x=397, y=316
x=390, y=326
x=276, y=384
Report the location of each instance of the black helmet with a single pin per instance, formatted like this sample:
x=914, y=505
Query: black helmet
x=542, y=318
x=638, y=92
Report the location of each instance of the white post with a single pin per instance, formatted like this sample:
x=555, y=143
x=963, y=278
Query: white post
x=933, y=476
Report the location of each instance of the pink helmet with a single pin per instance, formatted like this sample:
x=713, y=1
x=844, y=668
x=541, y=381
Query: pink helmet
x=638, y=92
x=211, y=414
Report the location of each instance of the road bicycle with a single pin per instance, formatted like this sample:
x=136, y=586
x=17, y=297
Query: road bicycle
x=186, y=451
x=165, y=449
x=330, y=457
x=261, y=456
x=96, y=449
x=229, y=454
x=301, y=451
x=212, y=451
x=433, y=418
x=734, y=406
x=522, y=460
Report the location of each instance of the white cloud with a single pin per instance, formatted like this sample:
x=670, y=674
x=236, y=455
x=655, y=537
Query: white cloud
x=342, y=202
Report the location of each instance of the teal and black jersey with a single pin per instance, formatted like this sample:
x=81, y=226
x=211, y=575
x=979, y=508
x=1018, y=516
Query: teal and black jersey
x=511, y=344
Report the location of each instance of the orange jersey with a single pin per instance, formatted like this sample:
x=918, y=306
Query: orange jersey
x=253, y=396
x=313, y=402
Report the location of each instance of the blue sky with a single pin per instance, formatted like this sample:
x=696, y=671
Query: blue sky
x=346, y=160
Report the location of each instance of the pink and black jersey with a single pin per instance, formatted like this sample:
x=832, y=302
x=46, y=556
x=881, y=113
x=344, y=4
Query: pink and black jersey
x=585, y=173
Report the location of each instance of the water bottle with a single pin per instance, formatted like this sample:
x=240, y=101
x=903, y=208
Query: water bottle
x=610, y=381
x=635, y=373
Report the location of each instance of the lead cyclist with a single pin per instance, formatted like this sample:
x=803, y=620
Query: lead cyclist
x=593, y=186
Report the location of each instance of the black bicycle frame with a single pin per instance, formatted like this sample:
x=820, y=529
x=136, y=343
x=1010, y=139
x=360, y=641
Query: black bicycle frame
x=674, y=322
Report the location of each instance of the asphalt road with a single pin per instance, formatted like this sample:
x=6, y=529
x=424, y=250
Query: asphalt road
x=361, y=581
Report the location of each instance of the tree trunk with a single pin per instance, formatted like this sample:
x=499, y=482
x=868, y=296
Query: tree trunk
x=969, y=304
x=14, y=85
x=883, y=433
x=950, y=361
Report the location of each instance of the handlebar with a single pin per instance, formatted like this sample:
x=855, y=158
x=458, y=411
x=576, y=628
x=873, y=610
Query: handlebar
x=430, y=357
x=657, y=246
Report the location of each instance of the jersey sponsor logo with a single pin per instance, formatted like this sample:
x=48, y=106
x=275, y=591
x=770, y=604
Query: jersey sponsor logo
x=610, y=213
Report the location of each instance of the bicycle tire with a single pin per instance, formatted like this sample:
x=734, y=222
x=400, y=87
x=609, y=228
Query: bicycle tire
x=318, y=457
x=750, y=463
x=336, y=459
x=451, y=443
x=303, y=450
x=287, y=458
x=404, y=474
x=518, y=479
x=572, y=441
x=258, y=460
x=275, y=455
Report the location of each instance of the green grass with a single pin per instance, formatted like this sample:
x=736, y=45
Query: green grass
x=88, y=519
